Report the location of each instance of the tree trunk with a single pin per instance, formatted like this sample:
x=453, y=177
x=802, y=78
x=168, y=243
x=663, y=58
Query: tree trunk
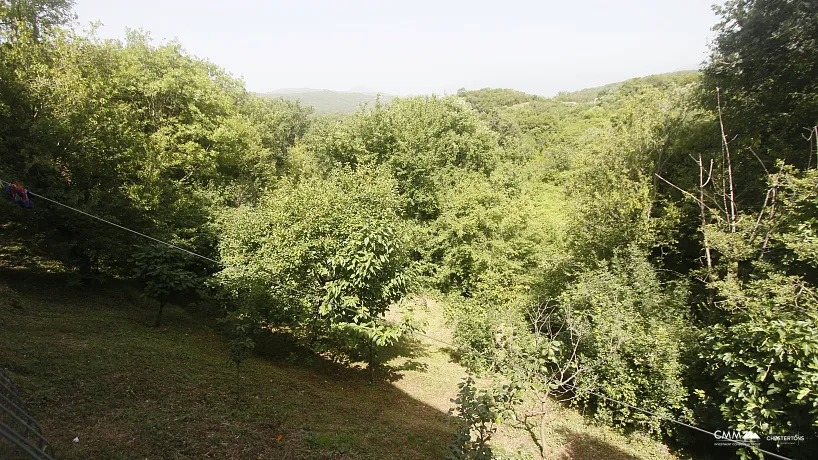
x=314, y=325
x=371, y=362
x=159, y=316
x=730, y=211
x=542, y=429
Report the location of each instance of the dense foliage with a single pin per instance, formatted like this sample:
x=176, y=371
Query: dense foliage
x=651, y=241
x=765, y=62
x=633, y=333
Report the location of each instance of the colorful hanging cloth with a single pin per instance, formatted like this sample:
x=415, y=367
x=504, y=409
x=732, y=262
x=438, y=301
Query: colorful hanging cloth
x=19, y=195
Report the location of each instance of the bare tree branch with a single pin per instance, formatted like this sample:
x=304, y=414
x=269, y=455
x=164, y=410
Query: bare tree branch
x=759, y=160
x=685, y=192
x=726, y=151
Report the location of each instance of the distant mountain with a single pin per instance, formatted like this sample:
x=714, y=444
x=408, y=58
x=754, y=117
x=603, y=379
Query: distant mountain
x=327, y=101
x=281, y=91
x=492, y=99
x=362, y=89
x=487, y=99
x=589, y=94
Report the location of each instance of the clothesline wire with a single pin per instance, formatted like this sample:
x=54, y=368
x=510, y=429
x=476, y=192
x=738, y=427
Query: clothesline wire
x=314, y=296
x=156, y=240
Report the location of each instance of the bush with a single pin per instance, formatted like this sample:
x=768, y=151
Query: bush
x=766, y=373
x=321, y=256
x=480, y=412
x=632, y=334
x=475, y=327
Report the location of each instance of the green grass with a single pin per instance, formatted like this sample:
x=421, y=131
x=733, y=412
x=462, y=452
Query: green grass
x=90, y=366
x=568, y=434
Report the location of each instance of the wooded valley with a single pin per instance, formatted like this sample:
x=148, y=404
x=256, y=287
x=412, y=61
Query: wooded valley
x=644, y=254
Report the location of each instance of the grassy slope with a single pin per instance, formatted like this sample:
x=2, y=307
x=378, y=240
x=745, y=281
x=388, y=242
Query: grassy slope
x=90, y=367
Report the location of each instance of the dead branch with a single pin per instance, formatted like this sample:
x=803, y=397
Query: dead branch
x=759, y=160
x=772, y=226
x=702, y=184
x=760, y=215
x=726, y=152
x=701, y=203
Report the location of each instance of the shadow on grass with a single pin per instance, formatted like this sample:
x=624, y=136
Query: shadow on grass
x=90, y=368
x=393, y=361
x=402, y=357
x=454, y=355
x=583, y=446
x=279, y=347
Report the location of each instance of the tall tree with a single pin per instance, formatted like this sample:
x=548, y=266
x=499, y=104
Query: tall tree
x=324, y=257
x=37, y=16
x=765, y=63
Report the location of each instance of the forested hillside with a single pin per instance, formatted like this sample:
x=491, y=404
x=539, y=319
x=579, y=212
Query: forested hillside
x=645, y=256
x=589, y=94
x=326, y=101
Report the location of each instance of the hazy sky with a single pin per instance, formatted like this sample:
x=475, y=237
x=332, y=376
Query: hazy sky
x=421, y=46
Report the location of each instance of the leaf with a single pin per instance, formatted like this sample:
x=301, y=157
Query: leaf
x=803, y=393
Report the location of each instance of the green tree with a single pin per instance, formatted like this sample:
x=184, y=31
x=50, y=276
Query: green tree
x=480, y=412
x=365, y=278
x=33, y=16
x=164, y=273
x=547, y=365
x=321, y=256
x=146, y=136
x=483, y=238
x=761, y=349
x=765, y=63
x=634, y=333
x=421, y=139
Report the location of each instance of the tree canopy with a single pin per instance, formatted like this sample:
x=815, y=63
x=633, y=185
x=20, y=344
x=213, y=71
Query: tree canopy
x=651, y=241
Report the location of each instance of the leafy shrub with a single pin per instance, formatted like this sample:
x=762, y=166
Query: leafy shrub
x=475, y=328
x=480, y=412
x=632, y=333
x=165, y=272
x=766, y=371
x=321, y=256
x=421, y=140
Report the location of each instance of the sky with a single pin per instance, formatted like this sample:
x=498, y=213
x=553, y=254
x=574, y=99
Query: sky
x=421, y=46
